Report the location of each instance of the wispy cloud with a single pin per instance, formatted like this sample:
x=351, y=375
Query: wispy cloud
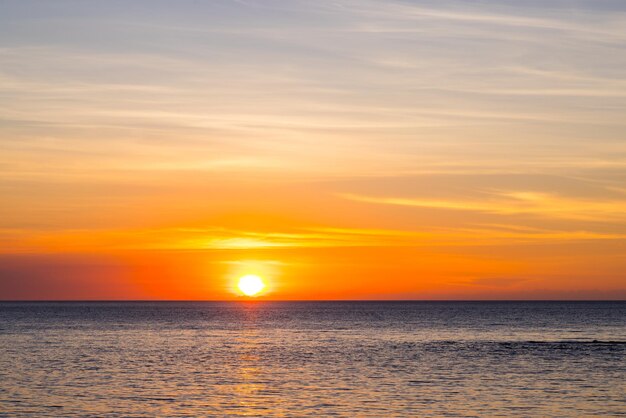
x=515, y=203
x=173, y=239
x=468, y=13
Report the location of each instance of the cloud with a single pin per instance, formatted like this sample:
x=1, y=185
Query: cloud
x=484, y=15
x=515, y=203
x=217, y=238
x=497, y=281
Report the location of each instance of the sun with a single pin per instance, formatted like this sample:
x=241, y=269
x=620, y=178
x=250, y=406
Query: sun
x=251, y=284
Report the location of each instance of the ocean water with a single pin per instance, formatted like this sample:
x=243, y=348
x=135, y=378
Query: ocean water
x=313, y=359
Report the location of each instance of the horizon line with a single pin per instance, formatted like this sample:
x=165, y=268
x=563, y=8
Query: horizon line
x=293, y=300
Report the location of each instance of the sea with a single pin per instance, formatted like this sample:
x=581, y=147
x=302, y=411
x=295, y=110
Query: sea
x=318, y=359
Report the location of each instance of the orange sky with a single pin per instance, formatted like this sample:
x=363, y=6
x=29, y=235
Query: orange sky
x=341, y=150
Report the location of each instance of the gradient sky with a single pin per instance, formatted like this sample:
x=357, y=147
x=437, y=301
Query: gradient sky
x=370, y=149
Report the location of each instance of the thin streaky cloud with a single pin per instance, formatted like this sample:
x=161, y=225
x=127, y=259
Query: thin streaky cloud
x=515, y=203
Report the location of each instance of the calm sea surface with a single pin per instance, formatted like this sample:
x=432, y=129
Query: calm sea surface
x=313, y=359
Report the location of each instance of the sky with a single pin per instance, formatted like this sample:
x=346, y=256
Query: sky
x=370, y=149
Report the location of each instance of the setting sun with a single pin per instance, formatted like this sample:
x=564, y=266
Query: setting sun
x=251, y=285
